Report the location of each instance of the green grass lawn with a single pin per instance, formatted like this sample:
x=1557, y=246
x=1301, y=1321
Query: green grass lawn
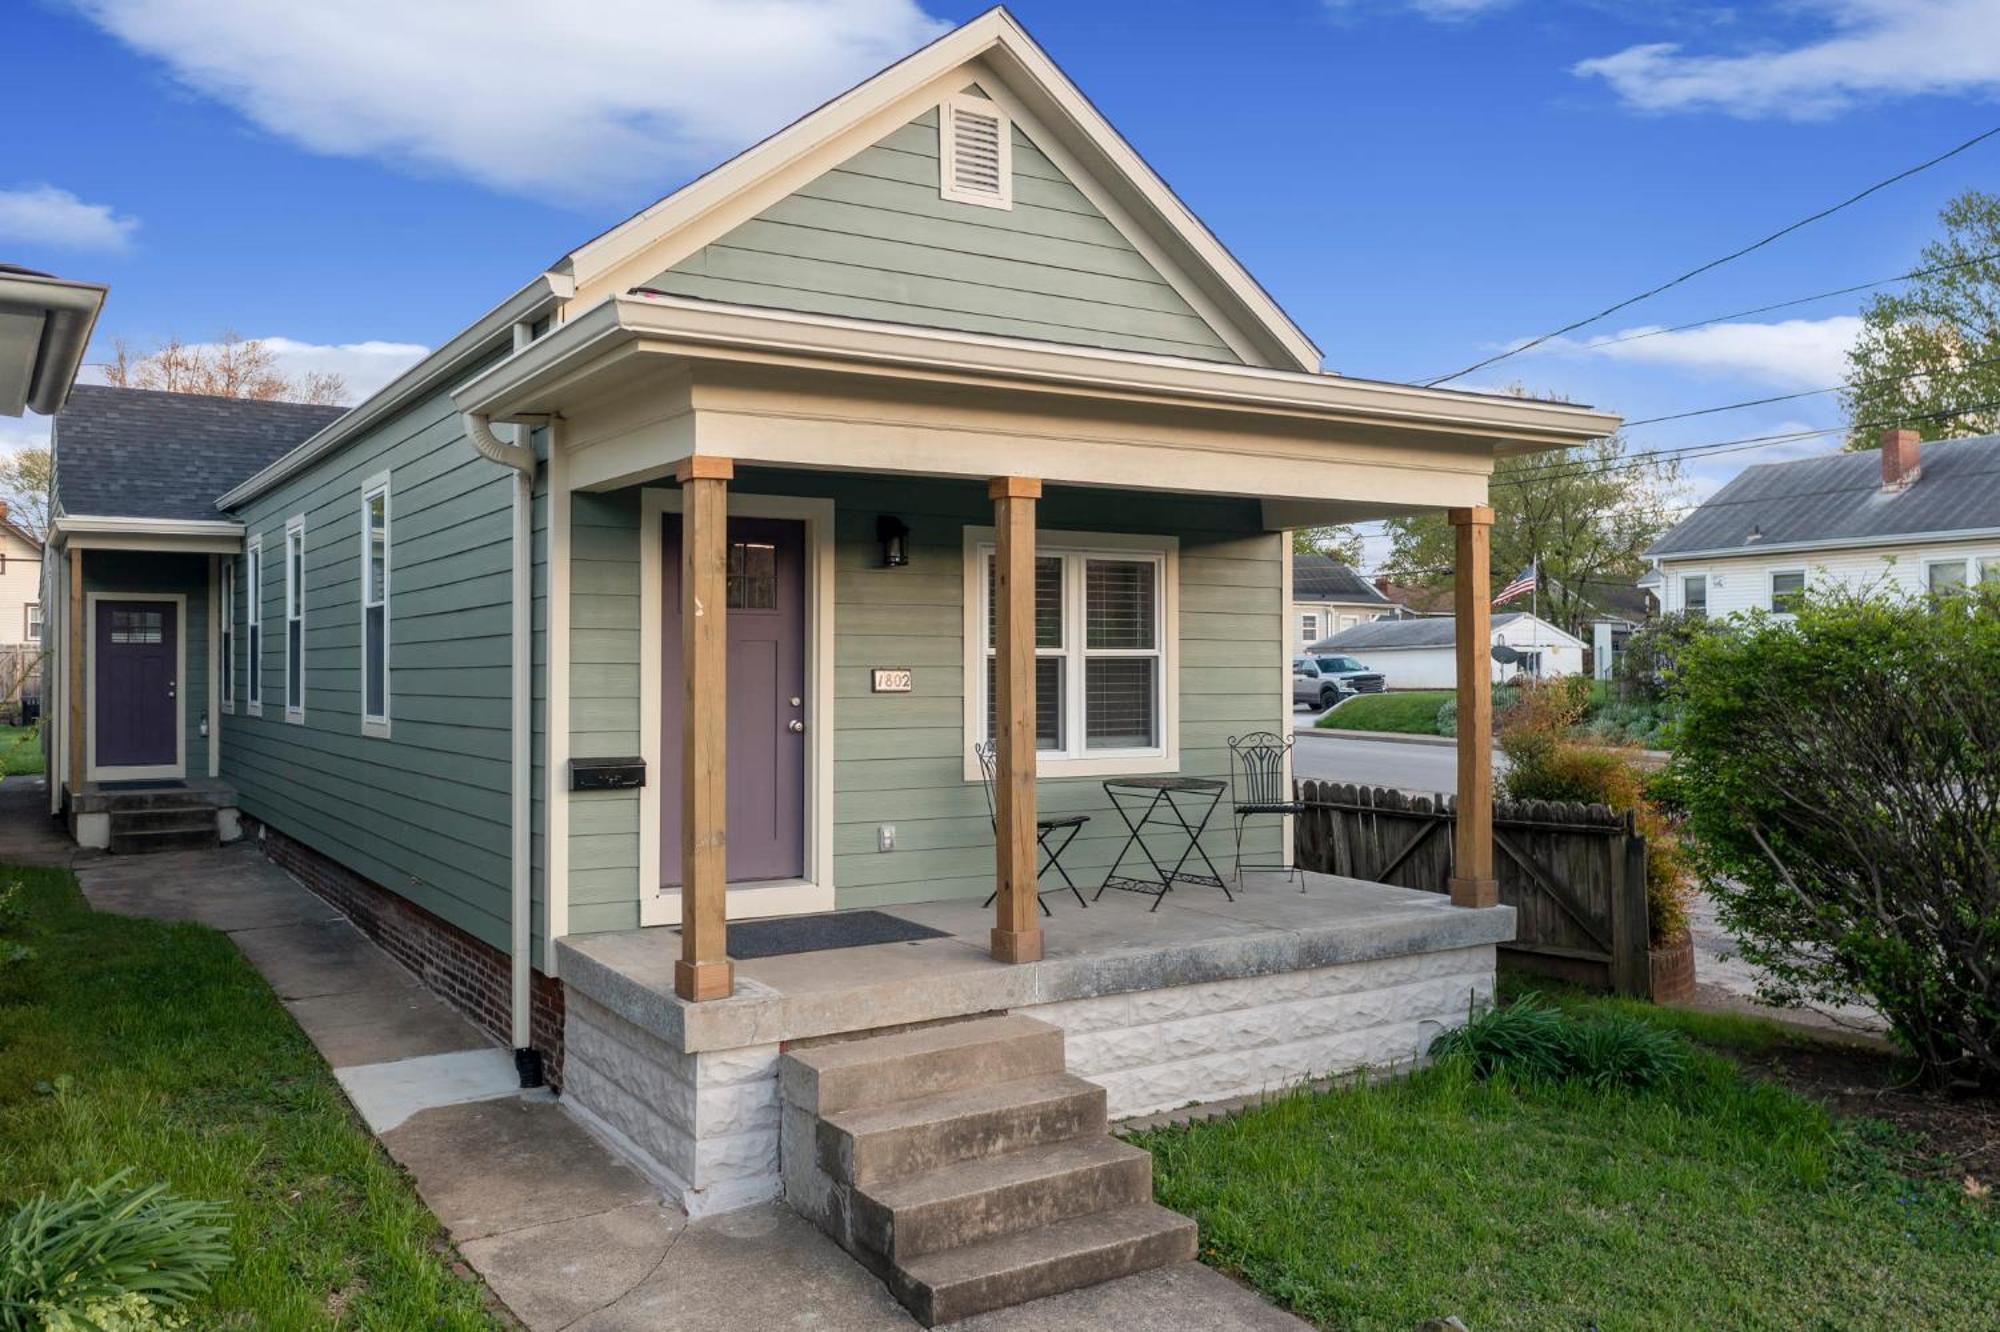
x=155, y=1048
x=20, y=750
x=1719, y=1201
x=1414, y=713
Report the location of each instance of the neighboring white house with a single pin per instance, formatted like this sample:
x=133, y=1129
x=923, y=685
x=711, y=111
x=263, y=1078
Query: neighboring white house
x=1914, y=518
x=1417, y=653
x=20, y=583
x=1328, y=597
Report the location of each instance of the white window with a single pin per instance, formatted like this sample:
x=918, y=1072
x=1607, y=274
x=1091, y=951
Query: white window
x=375, y=606
x=1788, y=586
x=1694, y=594
x=1944, y=576
x=34, y=625
x=295, y=619
x=253, y=621
x=1104, y=652
x=225, y=592
x=1989, y=569
x=1308, y=629
x=975, y=152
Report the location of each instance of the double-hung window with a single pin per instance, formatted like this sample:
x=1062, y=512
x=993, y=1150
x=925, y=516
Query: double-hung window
x=1104, y=669
x=253, y=626
x=1788, y=589
x=295, y=619
x=226, y=644
x=375, y=605
x=1694, y=594
x=1943, y=577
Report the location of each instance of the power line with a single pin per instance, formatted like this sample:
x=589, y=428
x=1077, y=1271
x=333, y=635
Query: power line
x=1808, y=393
x=1717, y=263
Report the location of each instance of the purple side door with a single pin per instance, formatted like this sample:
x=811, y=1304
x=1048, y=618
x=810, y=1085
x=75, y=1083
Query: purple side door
x=136, y=692
x=767, y=716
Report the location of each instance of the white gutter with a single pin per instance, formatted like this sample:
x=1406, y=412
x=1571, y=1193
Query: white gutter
x=1757, y=548
x=63, y=315
x=520, y=456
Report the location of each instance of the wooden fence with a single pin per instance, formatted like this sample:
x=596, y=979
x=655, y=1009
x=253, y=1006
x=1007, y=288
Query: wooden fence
x=20, y=680
x=1574, y=874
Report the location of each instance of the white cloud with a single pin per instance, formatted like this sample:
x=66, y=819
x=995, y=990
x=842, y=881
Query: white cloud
x=1876, y=49
x=1793, y=353
x=1442, y=10
x=575, y=99
x=23, y=433
x=45, y=215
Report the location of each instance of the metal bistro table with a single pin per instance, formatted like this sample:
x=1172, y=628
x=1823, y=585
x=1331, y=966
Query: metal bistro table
x=1168, y=801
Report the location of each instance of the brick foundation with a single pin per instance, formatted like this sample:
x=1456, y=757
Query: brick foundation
x=1671, y=970
x=470, y=974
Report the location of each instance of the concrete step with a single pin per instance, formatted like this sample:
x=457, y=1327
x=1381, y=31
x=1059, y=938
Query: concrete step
x=878, y=1144
x=1065, y=1255
x=163, y=818
x=172, y=839
x=117, y=802
x=924, y=1061
x=976, y=1200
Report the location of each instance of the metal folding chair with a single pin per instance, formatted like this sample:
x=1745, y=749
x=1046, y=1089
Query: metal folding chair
x=1063, y=830
x=1258, y=786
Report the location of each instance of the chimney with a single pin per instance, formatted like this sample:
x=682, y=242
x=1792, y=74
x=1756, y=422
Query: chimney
x=1900, y=466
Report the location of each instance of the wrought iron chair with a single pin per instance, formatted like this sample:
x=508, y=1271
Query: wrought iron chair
x=1063, y=830
x=1257, y=786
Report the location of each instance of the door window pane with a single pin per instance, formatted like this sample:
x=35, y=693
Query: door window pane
x=753, y=576
x=137, y=626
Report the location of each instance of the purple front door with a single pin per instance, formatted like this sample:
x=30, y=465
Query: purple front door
x=767, y=716
x=136, y=694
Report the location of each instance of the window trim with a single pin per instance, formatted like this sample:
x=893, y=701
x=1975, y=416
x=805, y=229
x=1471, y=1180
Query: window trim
x=253, y=625
x=30, y=613
x=373, y=725
x=1165, y=549
x=1686, y=578
x=1771, y=587
x=948, y=110
x=225, y=648
x=295, y=609
x=1308, y=639
x=1967, y=566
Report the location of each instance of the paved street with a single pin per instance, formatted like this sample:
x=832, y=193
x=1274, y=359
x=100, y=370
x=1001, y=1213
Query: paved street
x=1408, y=765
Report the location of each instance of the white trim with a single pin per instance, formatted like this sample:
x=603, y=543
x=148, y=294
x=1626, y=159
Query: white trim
x=814, y=890
x=376, y=726
x=134, y=772
x=214, y=710
x=295, y=601
x=1829, y=543
x=224, y=663
x=975, y=108
x=69, y=524
x=1705, y=583
x=1288, y=707
x=1165, y=551
x=1771, y=586
x=1966, y=566
x=555, y=772
x=254, y=646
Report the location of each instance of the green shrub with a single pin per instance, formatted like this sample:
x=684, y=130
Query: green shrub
x=1532, y=1042
x=1447, y=718
x=94, y=1246
x=1842, y=779
x=13, y=905
x=1650, y=667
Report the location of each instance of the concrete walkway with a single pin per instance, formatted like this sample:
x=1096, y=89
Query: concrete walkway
x=564, y=1232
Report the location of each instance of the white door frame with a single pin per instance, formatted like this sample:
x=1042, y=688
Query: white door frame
x=813, y=890
x=129, y=773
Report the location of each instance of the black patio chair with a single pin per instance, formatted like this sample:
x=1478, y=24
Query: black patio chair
x=1257, y=786
x=1063, y=830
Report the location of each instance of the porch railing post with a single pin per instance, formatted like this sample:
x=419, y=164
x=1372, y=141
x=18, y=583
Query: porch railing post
x=1472, y=882
x=703, y=971
x=1017, y=935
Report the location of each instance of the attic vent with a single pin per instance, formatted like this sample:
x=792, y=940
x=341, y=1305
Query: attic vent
x=976, y=147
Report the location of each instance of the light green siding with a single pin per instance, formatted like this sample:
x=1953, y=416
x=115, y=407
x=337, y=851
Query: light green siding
x=108, y=572
x=872, y=239
x=899, y=758
x=424, y=812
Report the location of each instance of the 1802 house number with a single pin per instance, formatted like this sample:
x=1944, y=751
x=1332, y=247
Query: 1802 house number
x=890, y=680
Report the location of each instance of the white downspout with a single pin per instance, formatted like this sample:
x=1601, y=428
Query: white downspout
x=520, y=456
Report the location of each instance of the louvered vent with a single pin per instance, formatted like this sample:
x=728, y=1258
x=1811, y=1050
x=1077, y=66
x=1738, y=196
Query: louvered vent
x=977, y=153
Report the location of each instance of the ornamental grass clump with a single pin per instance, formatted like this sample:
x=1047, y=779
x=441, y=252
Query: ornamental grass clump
x=1531, y=1042
x=108, y=1256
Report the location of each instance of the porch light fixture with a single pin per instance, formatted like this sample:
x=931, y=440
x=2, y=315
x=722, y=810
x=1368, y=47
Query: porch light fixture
x=894, y=534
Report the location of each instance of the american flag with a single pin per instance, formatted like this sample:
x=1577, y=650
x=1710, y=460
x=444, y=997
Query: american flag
x=1523, y=582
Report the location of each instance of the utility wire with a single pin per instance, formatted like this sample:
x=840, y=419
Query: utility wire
x=1712, y=264
x=1808, y=393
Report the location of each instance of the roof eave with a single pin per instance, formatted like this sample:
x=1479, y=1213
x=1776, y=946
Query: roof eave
x=1830, y=543
x=68, y=314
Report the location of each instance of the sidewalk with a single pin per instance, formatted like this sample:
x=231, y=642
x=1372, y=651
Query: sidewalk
x=563, y=1231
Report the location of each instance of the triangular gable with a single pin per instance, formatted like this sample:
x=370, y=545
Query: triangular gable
x=1148, y=275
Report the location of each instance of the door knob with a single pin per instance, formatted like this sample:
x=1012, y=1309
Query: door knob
x=795, y=726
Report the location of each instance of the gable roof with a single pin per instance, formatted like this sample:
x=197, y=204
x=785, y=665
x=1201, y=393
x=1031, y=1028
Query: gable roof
x=1838, y=500
x=137, y=453
x=1323, y=578
x=1015, y=72
x=1429, y=632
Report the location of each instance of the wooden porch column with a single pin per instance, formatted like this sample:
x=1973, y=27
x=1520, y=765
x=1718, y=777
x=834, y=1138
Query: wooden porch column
x=703, y=971
x=1472, y=883
x=1017, y=934
x=74, y=721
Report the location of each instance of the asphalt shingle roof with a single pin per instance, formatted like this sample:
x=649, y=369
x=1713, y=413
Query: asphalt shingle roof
x=1323, y=578
x=1840, y=498
x=1429, y=632
x=135, y=453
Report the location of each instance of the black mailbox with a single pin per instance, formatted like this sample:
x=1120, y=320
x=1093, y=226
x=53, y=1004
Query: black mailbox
x=606, y=774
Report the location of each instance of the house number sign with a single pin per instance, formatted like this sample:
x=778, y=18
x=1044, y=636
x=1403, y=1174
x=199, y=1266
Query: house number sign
x=890, y=680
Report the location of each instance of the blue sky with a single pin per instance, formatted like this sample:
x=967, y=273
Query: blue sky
x=1418, y=181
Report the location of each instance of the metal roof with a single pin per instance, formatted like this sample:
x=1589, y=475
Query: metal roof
x=1428, y=632
x=1323, y=578
x=1839, y=500
x=136, y=453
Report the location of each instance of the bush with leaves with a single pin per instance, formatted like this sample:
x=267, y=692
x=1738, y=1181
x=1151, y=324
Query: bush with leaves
x=1651, y=661
x=1532, y=1042
x=108, y=1252
x=1841, y=774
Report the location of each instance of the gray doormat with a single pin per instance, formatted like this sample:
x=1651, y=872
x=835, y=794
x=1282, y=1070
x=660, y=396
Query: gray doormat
x=810, y=934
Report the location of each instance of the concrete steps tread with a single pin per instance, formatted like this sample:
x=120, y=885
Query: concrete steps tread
x=923, y=1061
x=868, y=1144
x=1029, y=1264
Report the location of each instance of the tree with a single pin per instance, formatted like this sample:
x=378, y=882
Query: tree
x=229, y=367
x=1342, y=543
x=25, y=476
x=1583, y=517
x=1928, y=353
